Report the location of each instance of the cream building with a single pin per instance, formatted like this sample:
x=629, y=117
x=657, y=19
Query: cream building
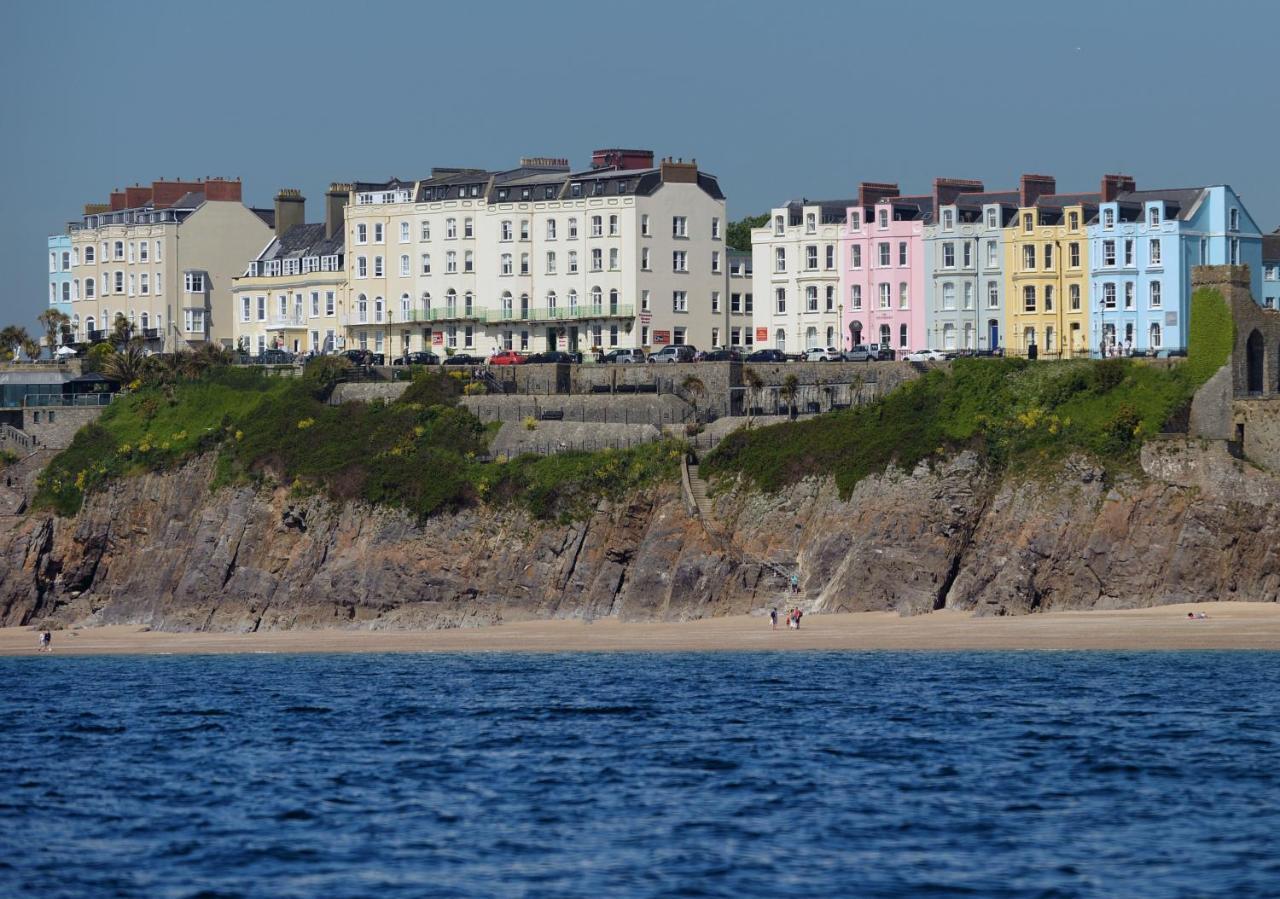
x=797, y=276
x=294, y=294
x=164, y=257
x=624, y=254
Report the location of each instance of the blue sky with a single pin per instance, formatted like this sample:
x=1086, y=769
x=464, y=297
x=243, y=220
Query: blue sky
x=778, y=99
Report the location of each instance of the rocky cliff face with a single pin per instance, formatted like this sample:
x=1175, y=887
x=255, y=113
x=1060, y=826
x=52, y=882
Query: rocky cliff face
x=161, y=550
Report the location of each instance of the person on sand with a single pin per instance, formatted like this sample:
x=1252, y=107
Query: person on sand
x=795, y=583
x=799, y=615
x=45, y=639
x=773, y=618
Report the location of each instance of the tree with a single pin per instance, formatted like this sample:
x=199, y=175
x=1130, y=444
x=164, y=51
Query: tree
x=790, y=387
x=755, y=386
x=693, y=386
x=738, y=235
x=31, y=347
x=11, y=338
x=120, y=330
x=127, y=365
x=54, y=322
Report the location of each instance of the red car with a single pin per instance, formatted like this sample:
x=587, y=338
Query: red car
x=507, y=357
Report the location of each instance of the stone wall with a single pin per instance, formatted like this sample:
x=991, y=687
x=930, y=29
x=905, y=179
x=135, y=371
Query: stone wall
x=550, y=437
x=1257, y=429
x=53, y=427
x=364, y=392
x=1253, y=323
x=649, y=409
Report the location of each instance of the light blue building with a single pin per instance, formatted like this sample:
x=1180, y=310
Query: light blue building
x=1142, y=247
x=1271, y=270
x=60, y=259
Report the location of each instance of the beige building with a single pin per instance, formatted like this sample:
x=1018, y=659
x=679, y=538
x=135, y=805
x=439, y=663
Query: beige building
x=164, y=257
x=538, y=257
x=293, y=296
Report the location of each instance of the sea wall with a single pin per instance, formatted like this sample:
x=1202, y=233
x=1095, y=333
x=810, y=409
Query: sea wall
x=1195, y=524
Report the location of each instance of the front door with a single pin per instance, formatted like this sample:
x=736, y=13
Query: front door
x=573, y=339
x=551, y=339
x=993, y=334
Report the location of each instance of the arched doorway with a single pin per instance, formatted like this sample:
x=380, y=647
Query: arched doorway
x=1255, y=355
x=855, y=332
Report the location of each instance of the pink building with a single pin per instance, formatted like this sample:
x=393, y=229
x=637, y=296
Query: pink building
x=882, y=272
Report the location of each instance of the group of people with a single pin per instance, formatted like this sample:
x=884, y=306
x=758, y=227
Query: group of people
x=793, y=618
x=46, y=642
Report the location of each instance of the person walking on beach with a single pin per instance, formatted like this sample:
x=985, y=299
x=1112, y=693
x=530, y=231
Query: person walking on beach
x=45, y=639
x=798, y=615
x=773, y=618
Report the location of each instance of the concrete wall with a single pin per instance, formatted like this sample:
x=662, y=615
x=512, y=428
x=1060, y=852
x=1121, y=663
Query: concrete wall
x=648, y=409
x=550, y=437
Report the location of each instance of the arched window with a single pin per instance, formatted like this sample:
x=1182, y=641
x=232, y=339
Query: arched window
x=146, y=320
x=613, y=302
x=780, y=340
x=451, y=302
x=362, y=308
x=949, y=336
x=855, y=332
x=596, y=297
x=810, y=337
x=1154, y=339
x=551, y=301
x=968, y=335
x=404, y=265
x=524, y=305
x=88, y=254
x=831, y=336
x=886, y=335
x=467, y=304
x=89, y=324
x=426, y=303
x=377, y=309
x=405, y=306
x=1028, y=337
x=506, y=304
x=1255, y=353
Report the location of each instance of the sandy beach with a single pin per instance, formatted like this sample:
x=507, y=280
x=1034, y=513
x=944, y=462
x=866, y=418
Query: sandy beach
x=1229, y=626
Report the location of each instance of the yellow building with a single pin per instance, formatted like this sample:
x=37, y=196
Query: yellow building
x=1046, y=271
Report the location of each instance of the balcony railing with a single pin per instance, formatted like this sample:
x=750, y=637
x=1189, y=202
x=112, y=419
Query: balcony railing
x=68, y=399
x=288, y=321
x=356, y=319
x=563, y=313
x=444, y=314
x=95, y=336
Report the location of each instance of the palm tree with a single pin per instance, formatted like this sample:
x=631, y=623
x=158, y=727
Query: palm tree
x=12, y=338
x=120, y=330
x=127, y=364
x=31, y=347
x=755, y=385
x=790, y=387
x=54, y=322
x=693, y=386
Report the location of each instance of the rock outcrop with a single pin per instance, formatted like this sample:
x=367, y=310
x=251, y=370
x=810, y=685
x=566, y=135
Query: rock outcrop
x=162, y=550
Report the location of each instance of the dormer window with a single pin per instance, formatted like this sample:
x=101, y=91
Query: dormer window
x=779, y=226
x=575, y=190
x=1073, y=221
x=855, y=221
x=1108, y=218
x=1028, y=222
x=993, y=219
x=948, y=219
x=882, y=218
x=526, y=194
x=1153, y=217
x=502, y=193
x=810, y=223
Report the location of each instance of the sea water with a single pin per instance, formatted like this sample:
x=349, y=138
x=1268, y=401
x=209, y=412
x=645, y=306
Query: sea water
x=715, y=774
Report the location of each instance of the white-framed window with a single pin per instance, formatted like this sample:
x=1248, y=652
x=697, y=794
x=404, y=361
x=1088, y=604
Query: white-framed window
x=506, y=264
x=573, y=261
x=1048, y=298
x=194, y=282
x=1233, y=248
x=524, y=263
x=88, y=254
x=377, y=232
x=1109, y=295
x=1109, y=252
x=404, y=232
x=193, y=321
x=328, y=302
x=992, y=254
x=992, y=217
x=1028, y=222
x=131, y=251
x=679, y=226
x=551, y=229
x=404, y=265
x=613, y=226
x=468, y=227
x=715, y=301
x=780, y=259
x=378, y=271
x=811, y=257
x=89, y=286
x=505, y=231
x=1234, y=221
x=468, y=261
x=573, y=228
x=948, y=296
x=855, y=297
x=1073, y=254
x=1048, y=256
x=855, y=220
x=597, y=226
x=315, y=304
x=1028, y=257
x=144, y=284
x=1128, y=251
x=644, y=225
x=948, y=219
x=855, y=256
x=144, y=251
x=451, y=262
x=426, y=263
x=882, y=219
x=524, y=229
x=1153, y=294
x=715, y=228
x=262, y=308
x=679, y=301
x=119, y=250
x=1128, y=294
x=1073, y=294
x=966, y=252
x=948, y=255
x=1153, y=216
x=811, y=298
x=968, y=295
x=715, y=261
x=551, y=262
x=644, y=259
x=993, y=294
x=1155, y=337
x=1154, y=252
x=810, y=223
x=886, y=296
x=779, y=226
x=885, y=253
x=831, y=299
x=1108, y=218
x=904, y=296
x=1029, y=298
x=780, y=299
x=450, y=229
x=426, y=230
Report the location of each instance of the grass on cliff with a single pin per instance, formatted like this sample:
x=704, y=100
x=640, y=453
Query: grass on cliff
x=419, y=453
x=1011, y=411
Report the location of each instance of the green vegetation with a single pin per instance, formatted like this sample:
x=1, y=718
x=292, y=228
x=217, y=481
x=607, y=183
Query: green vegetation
x=1011, y=411
x=1213, y=334
x=421, y=453
x=7, y=458
x=738, y=235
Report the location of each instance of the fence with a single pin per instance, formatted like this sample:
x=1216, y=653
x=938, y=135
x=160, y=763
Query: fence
x=68, y=399
x=10, y=434
x=809, y=398
x=614, y=413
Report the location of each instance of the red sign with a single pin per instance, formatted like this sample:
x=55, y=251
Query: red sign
x=646, y=317
x=762, y=334
x=661, y=337
x=437, y=338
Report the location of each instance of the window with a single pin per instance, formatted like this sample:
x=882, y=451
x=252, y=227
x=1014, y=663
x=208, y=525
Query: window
x=1109, y=252
x=831, y=298
x=573, y=260
x=1233, y=249
x=362, y=233
x=195, y=282
x=329, y=298
x=992, y=259
x=948, y=255
x=524, y=263
x=679, y=301
x=1028, y=257
x=613, y=259
x=780, y=259
x=831, y=257
x=144, y=284
x=1153, y=217
x=886, y=296
x=715, y=299
x=1154, y=252
x=451, y=262
x=1108, y=218
x=1073, y=221
x=748, y=304
x=644, y=225
x=193, y=321
x=715, y=228
x=468, y=261
x=404, y=265
x=1128, y=294
x=811, y=298
x=469, y=228
x=1048, y=298
x=1073, y=292
x=506, y=267
x=885, y=253
x=1128, y=251
x=119, y=250
x=88, y=254
x=948, y=296
x=780, y=299
x=426, y=263
x=613, y=226
x=450, y=228
x=404, y=232
x=597, y=226
x=144, y=254
x=993, y=295
x=1073, y=251
x=377, y=232
x=88, y=288
x=968, y=254
x=597, y=260
x=1153, y=292
x=993, y=217
x=778, y=226
x=1154, y=337
x=551, y=229
x=855, y=220
x=948, y=219
x=735, y=302
x=968, y=294
x=855, y=256
x=377, y=267
x=573, y=229
x=903, y=297
x=1234, y=221
x=810, y=223
x=882, y=219
x=1029, y=298
x=810, y=257
x=644, y=302
x=1028, y=222
x=262, y=309
x=504, y=230
x=551, y=263
x=679, y=226
x=1108, y=295
x=426, y=230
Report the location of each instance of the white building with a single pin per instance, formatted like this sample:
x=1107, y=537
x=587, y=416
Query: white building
x=624, y=254
x=796, y=277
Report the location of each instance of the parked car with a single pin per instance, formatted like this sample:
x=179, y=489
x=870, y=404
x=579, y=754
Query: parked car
x=421, y=357
x=507, y=357
x=549, y=357
x=767, y=356
x=925, y=356
x=675, y=353
x=883, y=351
x=823, y=354
x=862, y=352
x=623, y=357
x=358, y=356
x=720, y=354
x=463, y=359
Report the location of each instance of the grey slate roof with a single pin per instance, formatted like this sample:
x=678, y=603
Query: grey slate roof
x=302, y=241
x=1271, y=248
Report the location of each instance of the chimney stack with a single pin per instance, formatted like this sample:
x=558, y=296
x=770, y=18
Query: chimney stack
x=678, y=172
x=117, y=200
x=872, y=192
x=615, y=158
x=1115, y=185
x=335, y=204
x=291, y=209
x=222, y=189
x=946, y=190
x=1033, y=187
